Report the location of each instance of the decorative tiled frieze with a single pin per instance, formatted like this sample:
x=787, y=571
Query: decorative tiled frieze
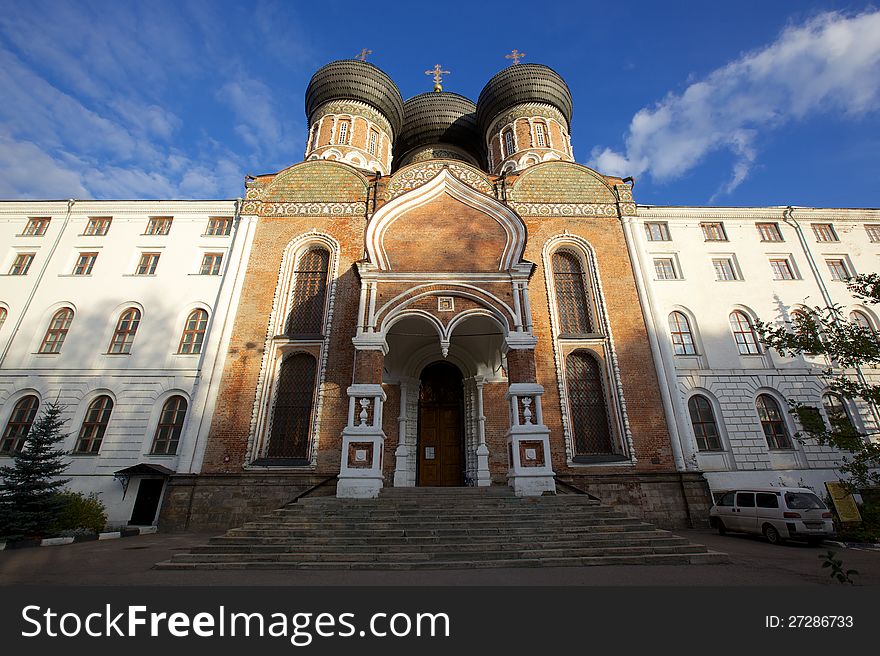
x=566, y=209
x=352, y=108
x=309, y=209
x=527, y=110
x=415, y=176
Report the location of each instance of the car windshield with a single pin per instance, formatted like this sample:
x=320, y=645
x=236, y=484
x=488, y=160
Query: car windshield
x=803, y=501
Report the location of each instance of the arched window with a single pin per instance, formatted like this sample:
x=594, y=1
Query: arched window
x=306, y=317
x=170, y=426
x=19, y=424
x=572, y=301
x=773, y=422
x=590, y=429
x=703, y=421
x=838, y=413
x=126, y=328
x=744, y=333
x=2, y=317
x=342, y=136
x=508, y=143
x=57, y=331
x=861, y=319
x=194, y=332
x=292, y=415
x=541, y=135
x=682, y=337
x=94, y=425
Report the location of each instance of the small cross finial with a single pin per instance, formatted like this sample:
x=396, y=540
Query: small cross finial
x=516, y=55
x=362, y=55
x=438, y=74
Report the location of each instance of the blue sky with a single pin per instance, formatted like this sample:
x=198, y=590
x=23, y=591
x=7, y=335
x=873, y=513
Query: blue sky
x=721, y=103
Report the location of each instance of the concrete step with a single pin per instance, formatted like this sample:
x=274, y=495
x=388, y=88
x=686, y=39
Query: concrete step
x=707, y=558
x=238, y=545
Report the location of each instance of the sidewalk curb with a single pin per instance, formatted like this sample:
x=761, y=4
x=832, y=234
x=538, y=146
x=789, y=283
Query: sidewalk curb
x=127, y=532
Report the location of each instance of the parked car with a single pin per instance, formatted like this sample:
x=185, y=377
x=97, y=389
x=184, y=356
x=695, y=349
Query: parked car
x=777, y=513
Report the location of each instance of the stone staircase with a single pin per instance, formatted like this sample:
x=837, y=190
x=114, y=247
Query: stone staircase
x=436, y=528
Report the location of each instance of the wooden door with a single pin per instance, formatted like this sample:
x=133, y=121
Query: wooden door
x=441, y=457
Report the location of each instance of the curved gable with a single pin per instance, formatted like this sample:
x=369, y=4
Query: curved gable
x=445, y=225
x=561, y=182
x=317, y=181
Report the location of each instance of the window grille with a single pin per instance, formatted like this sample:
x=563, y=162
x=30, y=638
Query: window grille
x=824, y=232
x=657, y=231
x=664, y=268
x=508, y=143
x=343, y=133
x=714, y=231
x=91, y=433
x=586, y=403
x=194, y=332
x=773, y=423
x=838, y=413
x=873, y=233
x=782, y=269
x=159, y=225
x=36, y=227
x=84, y=264
x=21, y=264
x=126, y=328
x=744, y=334
x=19, y=424
x=170, y=426
x=306, y=317
x=219, y=226
x=539, y=132
x=769, y=232
x=3, y=315
x=211, y=264
x=703, y=421
x=862, y=320
x=57, y=331
x=374, y=140
x=292, y=416
x=838, y=269
x=682, y=338
x=98, y=226
x=147, y=264
x=724, y=269
x=572, y=300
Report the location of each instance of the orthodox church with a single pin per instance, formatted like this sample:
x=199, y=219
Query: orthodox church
x=437, y=295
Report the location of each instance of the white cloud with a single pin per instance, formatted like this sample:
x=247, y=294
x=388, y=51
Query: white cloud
x=831, y=63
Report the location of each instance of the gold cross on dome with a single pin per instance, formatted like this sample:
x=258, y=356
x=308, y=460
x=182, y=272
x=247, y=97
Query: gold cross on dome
x=438, y=74
x=516, y=55
x=362, y=55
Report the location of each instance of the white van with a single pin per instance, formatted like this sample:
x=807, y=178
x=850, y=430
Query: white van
x=777, y=513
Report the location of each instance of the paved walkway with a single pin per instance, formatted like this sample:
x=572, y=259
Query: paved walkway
x=130, y=561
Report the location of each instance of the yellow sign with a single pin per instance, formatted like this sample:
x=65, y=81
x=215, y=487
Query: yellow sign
x=844, y=504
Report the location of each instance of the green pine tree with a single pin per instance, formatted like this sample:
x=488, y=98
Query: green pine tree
x=29, y=499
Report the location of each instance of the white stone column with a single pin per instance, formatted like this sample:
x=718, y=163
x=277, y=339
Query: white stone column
x=483, y=477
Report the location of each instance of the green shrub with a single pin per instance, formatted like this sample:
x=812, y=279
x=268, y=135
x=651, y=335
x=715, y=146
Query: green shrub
x=81, y=511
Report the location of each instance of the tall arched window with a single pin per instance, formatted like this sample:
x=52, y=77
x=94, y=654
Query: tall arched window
x=306, y=317
x=590, y=429
x=861, y=319
x=508, y=143
x=682, y=337
x=57, y=331
x=342, y=136
x=170, y=426
x=126, y=329
x=744, y=333
x=773, y=422
x=703, y=421
x=838, y=413
x=194, y=332
x=292, y=415
x=572, y=301
x=23, y=415
x=94, y=425
x=541, y=135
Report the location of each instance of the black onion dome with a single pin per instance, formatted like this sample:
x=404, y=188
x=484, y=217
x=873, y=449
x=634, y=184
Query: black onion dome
x=523, y=83
x=439, y=117
x=352, y=79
